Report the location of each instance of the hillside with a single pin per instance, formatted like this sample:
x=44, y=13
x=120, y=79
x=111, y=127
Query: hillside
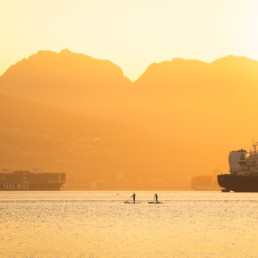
x=209, y=102
x=68, y=80
x=178, y=99
x=97, y=153
x=191, y=113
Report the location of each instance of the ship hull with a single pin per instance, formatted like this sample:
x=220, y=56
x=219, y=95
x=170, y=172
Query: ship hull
x=238, y=183
x=28, y=181
x=31, y=187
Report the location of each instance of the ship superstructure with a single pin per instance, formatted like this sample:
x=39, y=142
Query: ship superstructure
x=243, y=175
x=26, y=180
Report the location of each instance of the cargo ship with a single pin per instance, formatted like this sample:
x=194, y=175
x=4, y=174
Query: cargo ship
x=27, y=180
x=243, y=175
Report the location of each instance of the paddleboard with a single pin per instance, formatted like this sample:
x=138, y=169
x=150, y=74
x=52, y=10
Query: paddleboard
x=155, y=202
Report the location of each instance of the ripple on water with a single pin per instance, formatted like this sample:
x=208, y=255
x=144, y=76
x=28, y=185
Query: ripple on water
x=97, y=224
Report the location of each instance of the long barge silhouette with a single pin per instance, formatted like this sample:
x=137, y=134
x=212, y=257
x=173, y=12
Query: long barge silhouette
x=26, y=180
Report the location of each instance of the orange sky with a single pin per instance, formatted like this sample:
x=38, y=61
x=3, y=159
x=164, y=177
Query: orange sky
x=132, y=33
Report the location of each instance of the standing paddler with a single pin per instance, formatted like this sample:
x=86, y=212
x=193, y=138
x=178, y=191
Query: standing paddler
x=156, y=198
x=133, y=196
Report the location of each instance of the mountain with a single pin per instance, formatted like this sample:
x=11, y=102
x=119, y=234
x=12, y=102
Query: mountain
x=199, y=111
x=90, y=150
x=97, y=153
x=208, y=102
x=177, y=99
x=74, y=81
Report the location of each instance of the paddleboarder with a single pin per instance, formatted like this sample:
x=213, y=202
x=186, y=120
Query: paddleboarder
x=133, y=196
x=156, y=197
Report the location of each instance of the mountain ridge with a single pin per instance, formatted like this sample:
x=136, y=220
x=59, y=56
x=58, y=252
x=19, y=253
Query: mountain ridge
x=168, y=98
x=180, y=118
x=175, y=59
x=93, y=150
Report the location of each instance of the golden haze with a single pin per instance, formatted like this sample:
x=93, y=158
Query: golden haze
x=179, y=119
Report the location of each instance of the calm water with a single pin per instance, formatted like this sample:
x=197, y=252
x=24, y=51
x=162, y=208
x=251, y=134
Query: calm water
x=99, y=224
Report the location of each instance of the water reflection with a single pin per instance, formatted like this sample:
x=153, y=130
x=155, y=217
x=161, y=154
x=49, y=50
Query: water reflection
x=98, y=224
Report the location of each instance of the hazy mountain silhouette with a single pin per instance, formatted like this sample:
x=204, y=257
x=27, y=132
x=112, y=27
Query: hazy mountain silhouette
x=94, y=151
x=180, y=99
x=203, y=101
x=196, y=104
x=74, y=81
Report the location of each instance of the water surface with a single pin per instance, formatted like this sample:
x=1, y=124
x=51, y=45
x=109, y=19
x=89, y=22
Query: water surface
x=99, y=224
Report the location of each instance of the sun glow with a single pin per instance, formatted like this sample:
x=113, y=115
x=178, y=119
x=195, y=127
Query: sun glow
x=249, y=30
x=132, y=34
